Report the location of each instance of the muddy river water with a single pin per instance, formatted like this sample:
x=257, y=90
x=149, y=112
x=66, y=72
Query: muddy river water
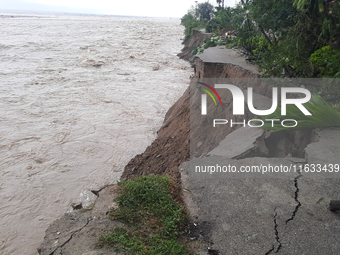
x=79, y=97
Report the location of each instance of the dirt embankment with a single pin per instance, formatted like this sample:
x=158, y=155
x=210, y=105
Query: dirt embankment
x=172, y=145
x=196, y=39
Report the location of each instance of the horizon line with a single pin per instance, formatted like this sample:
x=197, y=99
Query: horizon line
x=80, y=13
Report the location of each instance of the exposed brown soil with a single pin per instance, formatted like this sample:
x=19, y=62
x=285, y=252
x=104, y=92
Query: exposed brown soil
x=172, y=146
x=196, y=39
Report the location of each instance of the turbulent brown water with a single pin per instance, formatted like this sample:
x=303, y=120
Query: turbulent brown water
x=79, y=97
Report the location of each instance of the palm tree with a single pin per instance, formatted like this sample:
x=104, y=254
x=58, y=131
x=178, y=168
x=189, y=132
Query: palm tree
x=219, y=2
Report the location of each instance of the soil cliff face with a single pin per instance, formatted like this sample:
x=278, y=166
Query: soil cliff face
x=196, y=39
x=172, y=145
x=220, y=70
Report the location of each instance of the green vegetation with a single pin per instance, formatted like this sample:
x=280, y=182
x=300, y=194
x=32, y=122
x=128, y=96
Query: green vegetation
x=326, y=61
x=154, y=218
x=197, y=18
x=286, y=38
x=210, y=42
x=323, y=115
x=191, y=24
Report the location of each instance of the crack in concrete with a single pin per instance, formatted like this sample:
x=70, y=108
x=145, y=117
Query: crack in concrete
x=277, y=237
x=277, y=233
x=68, y=240
x=270, y=251
x=296, y=198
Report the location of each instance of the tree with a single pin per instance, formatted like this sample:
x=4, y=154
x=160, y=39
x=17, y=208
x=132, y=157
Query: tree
x=220, y=3
x=205, y=10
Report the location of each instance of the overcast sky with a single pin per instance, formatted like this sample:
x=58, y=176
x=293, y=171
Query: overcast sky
x=150, y=8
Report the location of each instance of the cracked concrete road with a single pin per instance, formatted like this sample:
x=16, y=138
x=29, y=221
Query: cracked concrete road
x=220, y=54
x=284, y=215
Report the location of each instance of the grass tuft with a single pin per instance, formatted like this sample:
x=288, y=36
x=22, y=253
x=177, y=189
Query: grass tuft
x=153, y=217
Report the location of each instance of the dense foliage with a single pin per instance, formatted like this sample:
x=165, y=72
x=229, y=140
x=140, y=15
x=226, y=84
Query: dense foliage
x=286, y=38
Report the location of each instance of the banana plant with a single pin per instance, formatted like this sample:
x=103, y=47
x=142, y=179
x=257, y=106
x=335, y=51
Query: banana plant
x=300, y=4
x=323, y=116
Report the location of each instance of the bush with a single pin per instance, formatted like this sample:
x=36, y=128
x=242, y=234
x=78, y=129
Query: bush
x=326, y=62
x=213, y=25
x=210, y=42
x=191, y=24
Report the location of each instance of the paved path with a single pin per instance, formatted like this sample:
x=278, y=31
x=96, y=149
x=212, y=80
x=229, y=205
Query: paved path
x=256, y=214
x=220, y=54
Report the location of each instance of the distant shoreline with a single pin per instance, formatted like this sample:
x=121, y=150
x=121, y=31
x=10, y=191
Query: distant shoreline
x=74, y=14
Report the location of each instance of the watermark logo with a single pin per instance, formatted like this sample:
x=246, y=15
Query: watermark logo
x=204, y=97
x=238, y=102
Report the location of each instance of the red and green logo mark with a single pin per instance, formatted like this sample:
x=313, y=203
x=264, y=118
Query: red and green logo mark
x=209, y=93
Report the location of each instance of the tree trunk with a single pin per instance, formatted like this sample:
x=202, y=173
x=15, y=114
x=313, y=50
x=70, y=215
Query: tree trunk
x=265, y=35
